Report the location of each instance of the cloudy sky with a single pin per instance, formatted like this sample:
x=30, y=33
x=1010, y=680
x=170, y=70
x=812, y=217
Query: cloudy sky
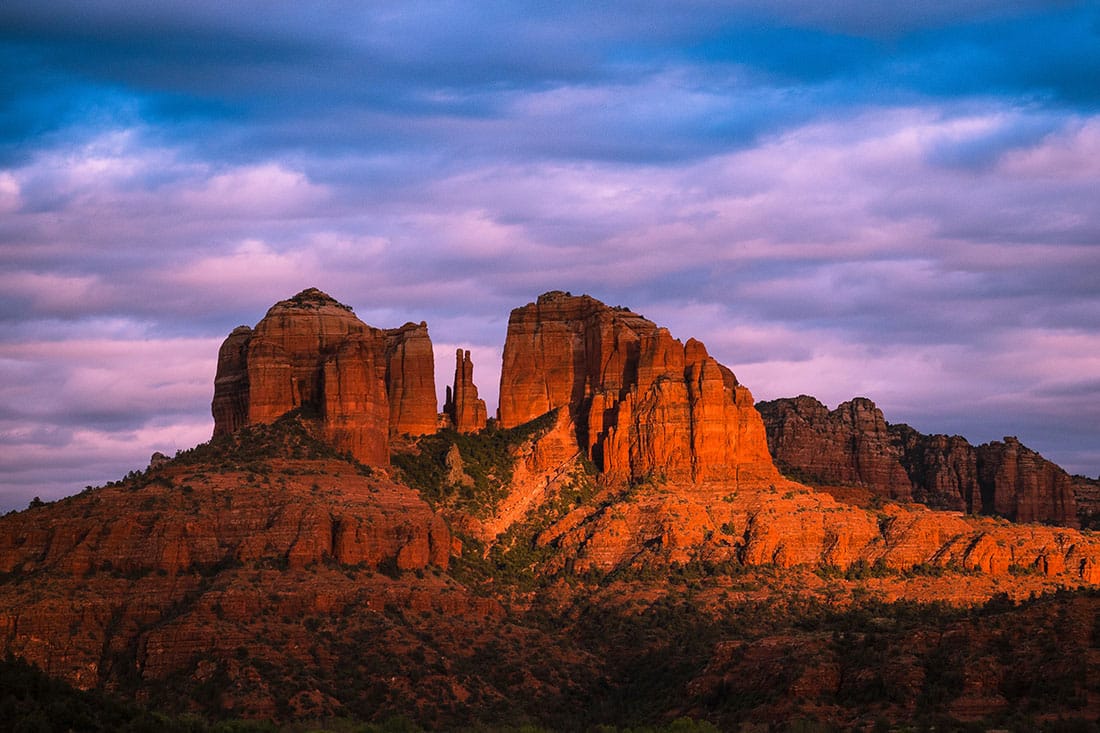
x=839, y=199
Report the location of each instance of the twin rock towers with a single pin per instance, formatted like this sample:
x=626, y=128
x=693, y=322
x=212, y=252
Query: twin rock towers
x=638, y=401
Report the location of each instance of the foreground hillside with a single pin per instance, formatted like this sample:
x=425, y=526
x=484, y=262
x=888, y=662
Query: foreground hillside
x=618, y=548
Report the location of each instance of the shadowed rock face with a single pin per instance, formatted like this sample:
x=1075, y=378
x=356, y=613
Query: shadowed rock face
x=643, y=403
x=230, y=405
x=849, y=445
x=853, y=444
x=1018, y=483
x=359, y=383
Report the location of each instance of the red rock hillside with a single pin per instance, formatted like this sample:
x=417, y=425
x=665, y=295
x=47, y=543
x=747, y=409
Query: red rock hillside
x=643, y=402
x=854, y=445
x=360, y=383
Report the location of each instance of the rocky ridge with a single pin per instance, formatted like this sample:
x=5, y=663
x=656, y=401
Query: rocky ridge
x=854, y=444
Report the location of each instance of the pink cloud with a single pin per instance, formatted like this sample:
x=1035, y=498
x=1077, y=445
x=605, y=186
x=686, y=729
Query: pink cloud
x=269, y=191
x=1072, y=154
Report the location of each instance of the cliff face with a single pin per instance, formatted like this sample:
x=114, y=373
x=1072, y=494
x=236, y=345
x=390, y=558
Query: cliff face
x=1018, y=483
x=230, y=405
x=790, y=525
x=360, y=384
x=853, y=444
x=410, y=380
x=849, y=445
x=643, y=403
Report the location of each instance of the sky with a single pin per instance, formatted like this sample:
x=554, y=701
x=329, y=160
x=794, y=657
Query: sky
x=840, y=199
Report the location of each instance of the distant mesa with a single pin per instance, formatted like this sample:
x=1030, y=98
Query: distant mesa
x=854, y=445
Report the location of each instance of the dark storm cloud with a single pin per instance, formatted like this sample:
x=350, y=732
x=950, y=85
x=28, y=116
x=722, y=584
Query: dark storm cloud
x=643, y=86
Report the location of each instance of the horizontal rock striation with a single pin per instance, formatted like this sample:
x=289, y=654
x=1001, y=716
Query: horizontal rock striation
x=790, y=526
x=179, y=523
x=644, y=404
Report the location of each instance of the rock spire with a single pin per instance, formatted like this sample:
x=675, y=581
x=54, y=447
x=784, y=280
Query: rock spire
x=466, y=411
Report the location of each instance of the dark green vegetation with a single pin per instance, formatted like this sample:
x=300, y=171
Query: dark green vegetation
x=478, y=481
x=32, y=702
x=252, y=447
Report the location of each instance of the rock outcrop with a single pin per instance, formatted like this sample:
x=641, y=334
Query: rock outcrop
x=351, y=520
x=790, y=525
x=1018, y=483
x=410, y=380
x=1086, y=494
x=466, y=411
x=853, y=444
x=942, y=468
x=357, y=383
x=850, y=444
x=230, y=405
x=644, y=404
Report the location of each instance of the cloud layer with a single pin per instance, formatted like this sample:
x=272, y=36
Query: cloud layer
x=839, y=200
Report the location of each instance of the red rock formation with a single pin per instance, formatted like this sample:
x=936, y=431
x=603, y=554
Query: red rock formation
x=195, y=561
x=230, y=406
x=942, y=468
x=466, y=411
x=360, y=384
x=790, y=525
x=849, y=445
x=410, y=380
x=643, y=402
x=1020, y=484
x=854, y=445
x=351, y=520
x=1086, y=494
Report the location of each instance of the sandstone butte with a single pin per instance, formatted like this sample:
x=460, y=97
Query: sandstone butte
x=854, y=444
x=643, y=404
x=360, y=384
x=665, y=417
